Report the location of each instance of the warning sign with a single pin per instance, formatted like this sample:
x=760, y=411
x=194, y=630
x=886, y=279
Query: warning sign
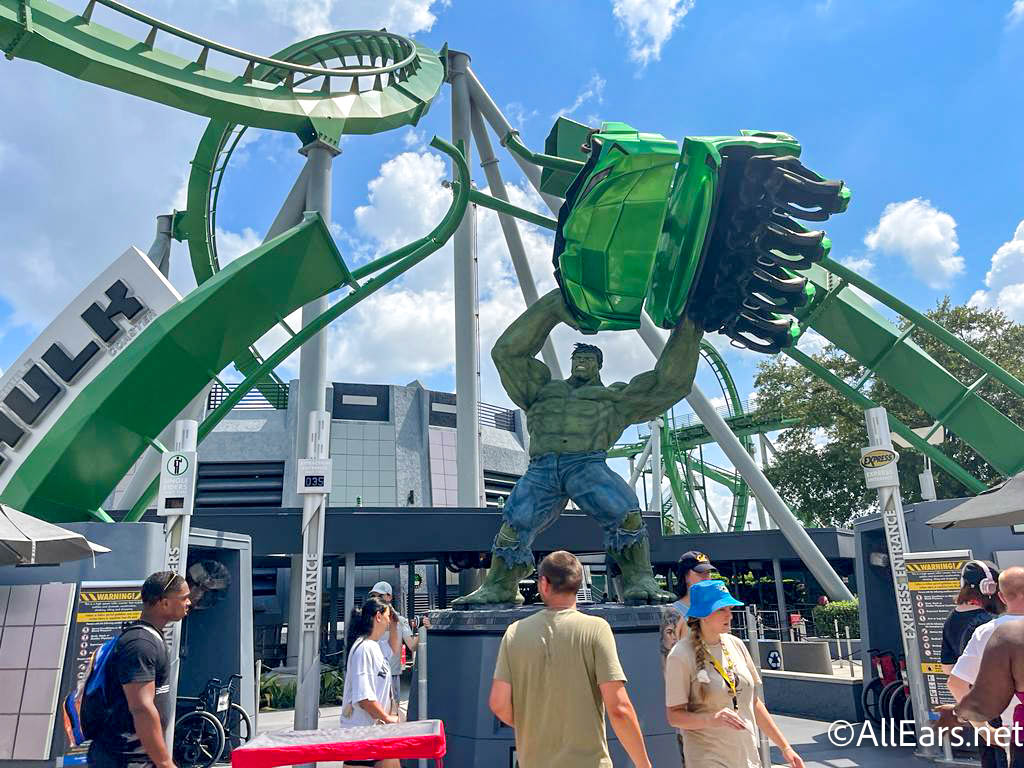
x=934, y=581
x=102, y=611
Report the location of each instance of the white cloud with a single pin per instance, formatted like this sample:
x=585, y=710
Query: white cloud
x=313, y=17
x=649, y=24
x=812, y=343
x=1016, y=14
x=518, y=114
x=1005, y=278
x=593, y=90
x=924, y=237
x=862, y=264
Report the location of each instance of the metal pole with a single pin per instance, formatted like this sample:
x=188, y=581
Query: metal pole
x=160, y=251
x=294, y=610
x=780, y=597
x=763, y=522
x=176, y=532
x=482, y=100
x=295, y=203
x=655, y=501
x=467, y=320
x=895, y=528
x=638, y=468
x=745, y=465
x=421, y=680
x=314, y=507
x=753, y=643
x=511, y=231
x=350, y=594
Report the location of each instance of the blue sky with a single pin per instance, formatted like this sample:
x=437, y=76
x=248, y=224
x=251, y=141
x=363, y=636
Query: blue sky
x=916, y=105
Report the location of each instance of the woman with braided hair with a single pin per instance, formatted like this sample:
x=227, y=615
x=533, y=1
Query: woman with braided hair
x=711, y=688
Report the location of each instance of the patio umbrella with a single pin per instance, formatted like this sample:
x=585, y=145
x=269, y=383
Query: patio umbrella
x=1001, y=504
x=27, y=540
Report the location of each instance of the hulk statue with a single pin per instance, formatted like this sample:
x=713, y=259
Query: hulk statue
x=572, y=424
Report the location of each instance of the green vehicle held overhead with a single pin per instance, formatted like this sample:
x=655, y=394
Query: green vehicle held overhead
x=710, y=231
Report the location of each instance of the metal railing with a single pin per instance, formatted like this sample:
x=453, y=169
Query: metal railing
x=494, y=416
x=273, y=396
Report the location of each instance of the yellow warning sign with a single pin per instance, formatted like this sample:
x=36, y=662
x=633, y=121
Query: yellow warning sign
x=932, y=669
x=951, y=584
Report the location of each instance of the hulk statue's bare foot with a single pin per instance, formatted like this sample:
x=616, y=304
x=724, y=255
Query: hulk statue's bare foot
x=500, y=588
x=639, y=586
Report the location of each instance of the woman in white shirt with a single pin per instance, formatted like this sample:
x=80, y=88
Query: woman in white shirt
x=368, y=696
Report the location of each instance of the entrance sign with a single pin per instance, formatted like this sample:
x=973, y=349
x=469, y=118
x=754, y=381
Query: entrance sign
x=934, y=581
x=880, y=469
x=73, y=349
x=881, y=456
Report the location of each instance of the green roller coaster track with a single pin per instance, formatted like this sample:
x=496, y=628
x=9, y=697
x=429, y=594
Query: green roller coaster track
x=383, y=81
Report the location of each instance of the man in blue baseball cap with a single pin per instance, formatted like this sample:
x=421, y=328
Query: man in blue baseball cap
x=711, y=688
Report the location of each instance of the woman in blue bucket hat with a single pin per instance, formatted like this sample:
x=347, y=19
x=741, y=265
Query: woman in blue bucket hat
x=711, y=688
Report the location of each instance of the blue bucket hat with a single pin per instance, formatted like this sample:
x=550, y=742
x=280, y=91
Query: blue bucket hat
x=706, y=597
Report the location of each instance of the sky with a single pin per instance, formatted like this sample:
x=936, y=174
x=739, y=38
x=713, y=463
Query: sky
x=917, y=106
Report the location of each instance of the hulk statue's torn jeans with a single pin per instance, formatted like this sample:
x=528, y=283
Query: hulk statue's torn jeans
x=540, y=495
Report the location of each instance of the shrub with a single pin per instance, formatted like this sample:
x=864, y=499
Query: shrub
x=846, y=612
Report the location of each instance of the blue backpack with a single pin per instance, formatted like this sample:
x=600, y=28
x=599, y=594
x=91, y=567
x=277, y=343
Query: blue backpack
x=86, y=708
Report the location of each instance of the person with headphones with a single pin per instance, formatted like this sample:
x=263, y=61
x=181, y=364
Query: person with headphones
x=976, y=604
x=1009, y=588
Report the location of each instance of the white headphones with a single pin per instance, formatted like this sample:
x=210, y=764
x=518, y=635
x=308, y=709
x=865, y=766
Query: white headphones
x=988, y=585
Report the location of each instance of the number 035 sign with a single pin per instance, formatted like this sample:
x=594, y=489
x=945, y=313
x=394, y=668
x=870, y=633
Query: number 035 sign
x=314, y=476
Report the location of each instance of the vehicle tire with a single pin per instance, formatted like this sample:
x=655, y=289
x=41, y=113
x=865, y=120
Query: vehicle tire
x=198, y=740
x=885, y=698
x=237, y=728
x=870, y=699
x=908, y=709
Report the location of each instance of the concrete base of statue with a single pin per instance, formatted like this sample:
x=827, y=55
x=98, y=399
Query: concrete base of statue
x=463, y=648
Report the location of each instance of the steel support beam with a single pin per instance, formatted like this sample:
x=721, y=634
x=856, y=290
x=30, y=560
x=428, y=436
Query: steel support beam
x=791, y=528
x=483, y=101
x=510, y=229
x=350, y=594
x=467, y=320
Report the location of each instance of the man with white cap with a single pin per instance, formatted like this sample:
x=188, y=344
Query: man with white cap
x=401, y=632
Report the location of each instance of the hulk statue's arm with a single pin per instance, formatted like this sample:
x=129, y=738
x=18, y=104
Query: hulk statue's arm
x=651, y=394
x=522, y=375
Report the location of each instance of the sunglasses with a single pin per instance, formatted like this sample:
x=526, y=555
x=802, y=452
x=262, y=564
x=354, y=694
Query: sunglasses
x=167, y=586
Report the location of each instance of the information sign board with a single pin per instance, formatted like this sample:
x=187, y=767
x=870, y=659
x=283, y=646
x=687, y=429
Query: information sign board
x=934, y=580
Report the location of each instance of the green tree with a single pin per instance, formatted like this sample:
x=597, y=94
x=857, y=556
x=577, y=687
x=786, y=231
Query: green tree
x=816, y=470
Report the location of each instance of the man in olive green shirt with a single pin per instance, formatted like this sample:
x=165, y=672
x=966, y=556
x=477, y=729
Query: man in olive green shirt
x=557, y=673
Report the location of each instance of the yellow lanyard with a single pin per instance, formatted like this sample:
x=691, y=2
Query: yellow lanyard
x=730, y=682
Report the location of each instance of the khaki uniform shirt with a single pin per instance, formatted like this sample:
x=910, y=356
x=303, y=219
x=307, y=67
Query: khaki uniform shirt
x=715, y=747
x=555, y=661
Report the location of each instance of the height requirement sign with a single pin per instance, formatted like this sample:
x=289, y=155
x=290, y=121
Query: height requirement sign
x=934, y=580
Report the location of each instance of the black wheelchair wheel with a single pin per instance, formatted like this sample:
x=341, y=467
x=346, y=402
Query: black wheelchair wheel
x=870, y=700
x=198, y=740
x=237, y=728
x=885, y=698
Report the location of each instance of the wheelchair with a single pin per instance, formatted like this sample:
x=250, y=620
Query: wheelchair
x=208, y=726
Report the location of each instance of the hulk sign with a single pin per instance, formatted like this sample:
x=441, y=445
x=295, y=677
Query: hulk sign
x=572, y=424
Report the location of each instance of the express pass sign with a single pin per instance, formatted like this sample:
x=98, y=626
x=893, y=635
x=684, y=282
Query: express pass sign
x=74, y=348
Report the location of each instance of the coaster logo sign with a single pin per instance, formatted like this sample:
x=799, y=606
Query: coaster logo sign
x=878, y=458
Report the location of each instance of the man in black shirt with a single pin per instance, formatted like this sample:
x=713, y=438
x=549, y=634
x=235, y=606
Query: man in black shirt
x=137, y=688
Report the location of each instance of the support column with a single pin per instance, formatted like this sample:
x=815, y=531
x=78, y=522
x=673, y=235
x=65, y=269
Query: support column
x=160, y=251
x=510, y=228
x=763, y=523
x=655, y=500
x=791, y=528
x=294, y=609
x=467, y=320
x=350, y=592
x=314, y=509
x=332, y=613
x=177, y=480
x=410, y=597
x=483, y=101
x=442, y=585
x=780, y=598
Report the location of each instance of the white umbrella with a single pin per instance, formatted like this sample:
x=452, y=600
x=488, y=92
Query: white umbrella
x=27, y=540
x=1001, y=504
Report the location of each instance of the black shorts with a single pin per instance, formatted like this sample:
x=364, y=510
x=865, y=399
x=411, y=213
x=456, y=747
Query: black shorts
x=101, y=757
